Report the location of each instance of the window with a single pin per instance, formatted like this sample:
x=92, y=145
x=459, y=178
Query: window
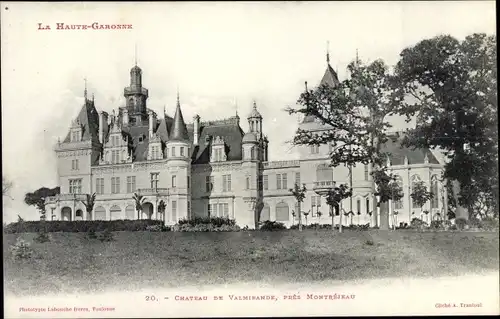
x=209, y=210
x=79, y=213
x=366, y=172
x=141, y=139
x=115, y=157
x=130, y=184
x=218, y=155
x=259, y=182
x=182, y=151
x=297, y=178
x=367, y=206
x=252, y=153
x=173, y=151
x=115, y=185
x=434, y=191
x=281, y=181
x=154, y=152
x=226, y=210
x=265, y=182
x=75, y=136
x=226, y=183
x=99, y=186
x=399, y=204
x=75, y=186
x=247, y=185
x=314, y=149
x=174, y=181
x=188, y=182
x=174, y=210
x=209, y=183
x=358, y=206
x=315, y=205
x=74, y=165
x=155, y=177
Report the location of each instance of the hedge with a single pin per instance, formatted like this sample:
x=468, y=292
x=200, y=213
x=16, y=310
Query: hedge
x=80, y=226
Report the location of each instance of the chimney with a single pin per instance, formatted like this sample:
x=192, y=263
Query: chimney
x=125, y=117
x=152, y=120
x=196, y=132
x=103, y=123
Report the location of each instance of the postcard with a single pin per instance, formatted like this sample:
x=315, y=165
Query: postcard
x=201, y=159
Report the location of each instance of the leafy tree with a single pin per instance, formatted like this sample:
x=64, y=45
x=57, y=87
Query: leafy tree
x=299, y=193
x=6, y=187
x=37, y=198
x=420, y=195
x=305, y=216
x=334, y=198
x=89, y=204
x=139, y=200
x=451, y=88
x=386, y=189
x=354, y=114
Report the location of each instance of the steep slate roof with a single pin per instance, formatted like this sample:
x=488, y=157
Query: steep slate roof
x=228, y=129
x=398, y=153
x=179, y=131
x=89, y=121
x=330, y=78
x=140, y=149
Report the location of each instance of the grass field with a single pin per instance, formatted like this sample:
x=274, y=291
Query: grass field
x=70, y=263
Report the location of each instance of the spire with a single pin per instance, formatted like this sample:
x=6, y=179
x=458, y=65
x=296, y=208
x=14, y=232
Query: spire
x=85, y=90
x=179, y=130
x=93, y=98
x=357, y=57
x=135, y=54
x=327, y=52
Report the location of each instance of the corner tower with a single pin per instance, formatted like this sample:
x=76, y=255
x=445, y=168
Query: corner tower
x=179, y=166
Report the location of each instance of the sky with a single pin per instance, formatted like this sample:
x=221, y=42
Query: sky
x=220, y=56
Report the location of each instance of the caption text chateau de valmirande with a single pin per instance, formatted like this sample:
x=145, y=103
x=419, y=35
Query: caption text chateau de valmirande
x=212, y=168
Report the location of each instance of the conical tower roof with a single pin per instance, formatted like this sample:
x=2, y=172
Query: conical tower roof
x=179, y=130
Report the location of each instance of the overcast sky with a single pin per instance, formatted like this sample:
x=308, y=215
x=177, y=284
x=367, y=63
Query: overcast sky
x=217, y=53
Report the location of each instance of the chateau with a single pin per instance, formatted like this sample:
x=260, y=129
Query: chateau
x=214, y=168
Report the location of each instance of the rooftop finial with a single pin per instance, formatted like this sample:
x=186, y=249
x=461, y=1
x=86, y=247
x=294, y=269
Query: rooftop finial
x=306, y=86
x=254, y=104
x=136, y=54
x=328, y=52
x=164, y=109
x=236, y=106
x=178, y=100
x=85, y=89
x=93, y=98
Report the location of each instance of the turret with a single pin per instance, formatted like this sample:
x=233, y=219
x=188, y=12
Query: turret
x=255, y=121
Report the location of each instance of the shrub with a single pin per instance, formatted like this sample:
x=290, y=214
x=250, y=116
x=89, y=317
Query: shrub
x=106, y=235
x=475, y=223
x=91, y=234
x=403, y=226
x=437, y=224
x=272, y=225
x=80, y=226
x=42, y=237
x=157, y=228
x=490, y=223
x=21, y=249
x=417, y=223
x=215, y=221
x=369, y=242
x=461, y=223
x=204, y=228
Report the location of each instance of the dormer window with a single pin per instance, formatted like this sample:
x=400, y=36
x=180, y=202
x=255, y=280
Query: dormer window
x=141, y=139
x=75, y=135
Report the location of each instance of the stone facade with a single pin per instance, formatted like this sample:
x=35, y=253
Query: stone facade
x=211, y=168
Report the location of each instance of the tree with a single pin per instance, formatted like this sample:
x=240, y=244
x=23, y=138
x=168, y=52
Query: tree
x=334, y=198
x=6, y=187
x=420, y=195
x=139, y=200
x=354, y=114
x=305, y=216
x=318, y=213
x=37, y=198
x=161, y=209
x=386, y=189
x=451, y=88
x=299, y=193
x=89, y=204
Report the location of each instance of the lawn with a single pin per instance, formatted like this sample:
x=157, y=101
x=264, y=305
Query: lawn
x=70, y=263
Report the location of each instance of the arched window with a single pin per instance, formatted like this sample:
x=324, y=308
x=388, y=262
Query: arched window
x=282, y=212
x=100, y=213
x=324, y=173
x=434, y=191
x=265, y=213
x=115, y=212
x=415, y=179
x=130, y=212
x=399, y=204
